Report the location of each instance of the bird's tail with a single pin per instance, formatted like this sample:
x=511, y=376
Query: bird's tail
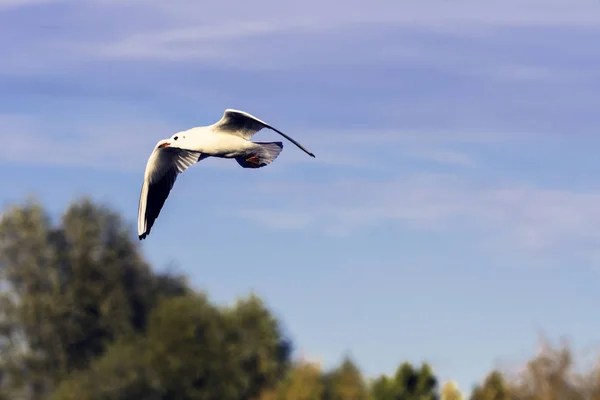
x=263, y=154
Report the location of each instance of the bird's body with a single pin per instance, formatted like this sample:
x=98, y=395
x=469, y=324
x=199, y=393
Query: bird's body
x=228, y=138
x=211, y=142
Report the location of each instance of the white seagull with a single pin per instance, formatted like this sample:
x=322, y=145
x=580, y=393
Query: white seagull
x=228, y=138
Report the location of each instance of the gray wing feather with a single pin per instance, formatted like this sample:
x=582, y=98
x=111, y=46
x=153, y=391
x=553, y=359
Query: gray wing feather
x=240, y=123
x=162, y=170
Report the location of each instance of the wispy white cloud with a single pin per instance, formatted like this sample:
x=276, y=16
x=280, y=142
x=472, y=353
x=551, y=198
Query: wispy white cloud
x=531, y=218
x=6, y=4
x=187, y=29
x=269, y=34
x=442, y=156
x=117, y=145
x=123, y=142
x=404, y=137
x=525, y=73
x=280, y=219
x=196, y=42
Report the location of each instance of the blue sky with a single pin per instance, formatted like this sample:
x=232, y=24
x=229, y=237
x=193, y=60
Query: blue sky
x=451, y=212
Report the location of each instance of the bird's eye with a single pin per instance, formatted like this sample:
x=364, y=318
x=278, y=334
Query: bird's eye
x=175, y=138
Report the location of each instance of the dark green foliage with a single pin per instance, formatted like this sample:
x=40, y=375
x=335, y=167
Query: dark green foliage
x=345, y=383
x=260, y=352
x=122, y=373
x=183, y=342
x=191, y=350
x=494, y=387
x=408, y=383
x=68, y=292
x=202, y=352
x=82, y=308
x=83, y=317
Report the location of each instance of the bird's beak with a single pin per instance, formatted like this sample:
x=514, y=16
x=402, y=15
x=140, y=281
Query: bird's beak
x=164, y=145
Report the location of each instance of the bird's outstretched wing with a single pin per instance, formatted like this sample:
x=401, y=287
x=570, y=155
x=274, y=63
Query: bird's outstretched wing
x=240, y=123
x=163, y=166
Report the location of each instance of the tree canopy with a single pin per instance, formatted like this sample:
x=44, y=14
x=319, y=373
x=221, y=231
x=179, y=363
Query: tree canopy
x=85, y=317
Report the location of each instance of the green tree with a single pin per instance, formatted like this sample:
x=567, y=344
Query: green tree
x=346, y=383
x=383, y=388
x=187, y=351
x=494, y=387
x=200, y=351
x=256, y=344
x=68, y=291
x=192, y=350
x=122, y=373
x=304, y=382
x=408, y=383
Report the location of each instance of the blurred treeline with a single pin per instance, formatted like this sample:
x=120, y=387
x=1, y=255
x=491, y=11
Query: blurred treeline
x=84, y=317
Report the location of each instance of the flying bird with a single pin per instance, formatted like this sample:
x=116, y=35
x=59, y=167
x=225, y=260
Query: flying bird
x=227, y=138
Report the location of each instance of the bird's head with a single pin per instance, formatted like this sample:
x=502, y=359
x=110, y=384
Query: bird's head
x=174, y=141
